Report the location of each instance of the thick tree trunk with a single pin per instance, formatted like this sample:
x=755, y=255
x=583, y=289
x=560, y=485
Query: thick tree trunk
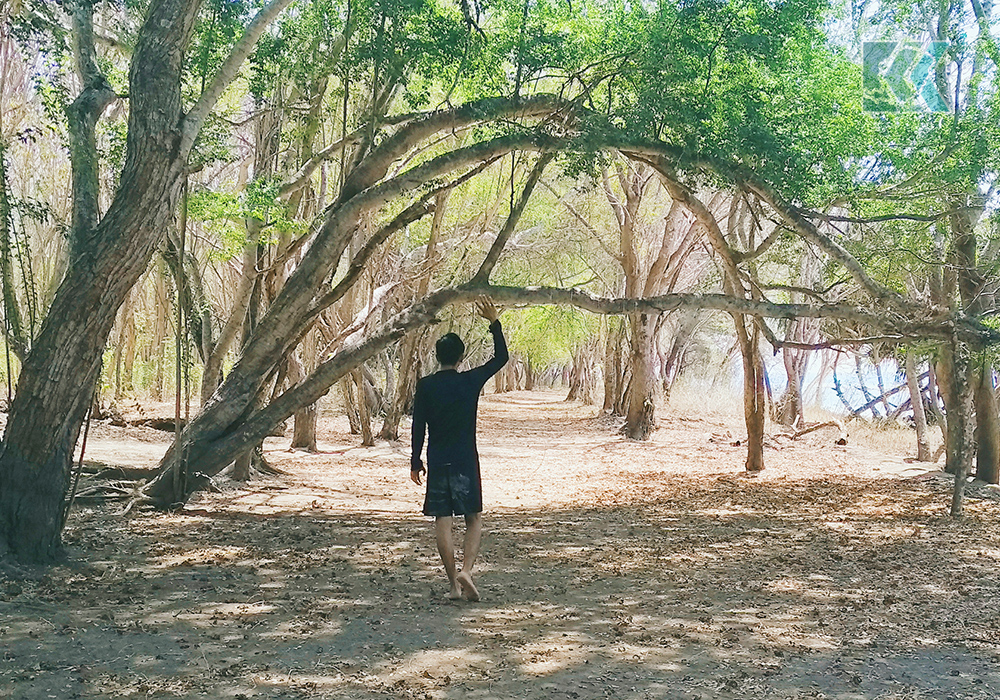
x=581, y=380
x=529, y=375
x=58, y=376
x=243, y=465
x=960, y=422
x=917, y=402
x=640, y=418
x=987, y=432
x=304, y=429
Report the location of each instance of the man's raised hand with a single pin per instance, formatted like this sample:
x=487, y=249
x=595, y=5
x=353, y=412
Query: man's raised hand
x=486, y=309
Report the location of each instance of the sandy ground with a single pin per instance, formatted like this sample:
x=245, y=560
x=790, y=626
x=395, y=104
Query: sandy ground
x=610, y=569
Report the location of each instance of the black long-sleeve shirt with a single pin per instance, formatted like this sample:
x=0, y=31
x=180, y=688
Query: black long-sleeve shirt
x=445, y=406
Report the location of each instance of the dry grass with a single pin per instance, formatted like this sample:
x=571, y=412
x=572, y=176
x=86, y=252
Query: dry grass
x=701, y=398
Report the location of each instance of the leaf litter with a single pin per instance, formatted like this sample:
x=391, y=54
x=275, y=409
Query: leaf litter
x=609, y=569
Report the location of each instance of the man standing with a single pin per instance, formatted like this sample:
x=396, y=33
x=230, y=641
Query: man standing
x=445, y=405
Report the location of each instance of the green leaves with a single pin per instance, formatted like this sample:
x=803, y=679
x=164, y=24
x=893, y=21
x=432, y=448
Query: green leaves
x=549, y=335
x=225, y=215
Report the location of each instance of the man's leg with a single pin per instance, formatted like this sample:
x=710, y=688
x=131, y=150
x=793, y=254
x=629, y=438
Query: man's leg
x=446, y=548
x=473, y=536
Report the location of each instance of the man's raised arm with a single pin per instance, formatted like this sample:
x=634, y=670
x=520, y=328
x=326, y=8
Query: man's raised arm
x=486, y=309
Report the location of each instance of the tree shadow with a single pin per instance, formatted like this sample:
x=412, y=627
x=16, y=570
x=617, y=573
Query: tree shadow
x=727, y=589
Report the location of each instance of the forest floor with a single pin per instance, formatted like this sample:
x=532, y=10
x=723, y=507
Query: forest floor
x=610, y=569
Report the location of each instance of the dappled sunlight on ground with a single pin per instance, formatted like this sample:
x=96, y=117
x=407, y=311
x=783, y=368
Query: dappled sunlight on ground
x=609, y=569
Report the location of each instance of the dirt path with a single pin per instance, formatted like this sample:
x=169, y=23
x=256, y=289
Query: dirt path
x=610, y=569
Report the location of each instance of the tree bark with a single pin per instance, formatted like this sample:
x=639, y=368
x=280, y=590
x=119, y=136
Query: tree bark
x=409, y=367
x=917, y=402
x=753, y=393
x=615, y=381
x=640, y=417
x=108, y=257
x=987, y=432
x=304, y=428
x=350, y=405
x=57, y=379
x=960, y=424
x=364, y=414
x=961, y=434
x=753, y=380
x=409, y=361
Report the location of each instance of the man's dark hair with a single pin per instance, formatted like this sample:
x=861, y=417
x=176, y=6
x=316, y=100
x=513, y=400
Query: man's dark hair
x=450, y=349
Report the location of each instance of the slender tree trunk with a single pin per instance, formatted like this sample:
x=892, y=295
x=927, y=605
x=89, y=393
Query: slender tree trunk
x=789, y=406
x=754, y=407
x=364, y=415
x=409, y=358
x=16, y=338
x=350, y=406
x=611, y=372
x=917, y=402
x=936, y=390
x=246, y=461
x=587, y=378
x=625, y=383
x=615, y=374
x=405, y=383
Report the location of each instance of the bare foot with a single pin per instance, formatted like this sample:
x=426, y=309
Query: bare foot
x=468, y=587
x=454, y=594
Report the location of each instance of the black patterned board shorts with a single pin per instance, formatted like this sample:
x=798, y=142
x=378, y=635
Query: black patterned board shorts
x=454, y=494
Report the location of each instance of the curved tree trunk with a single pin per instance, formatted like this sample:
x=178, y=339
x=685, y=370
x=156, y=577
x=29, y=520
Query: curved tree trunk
x=58, y=377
